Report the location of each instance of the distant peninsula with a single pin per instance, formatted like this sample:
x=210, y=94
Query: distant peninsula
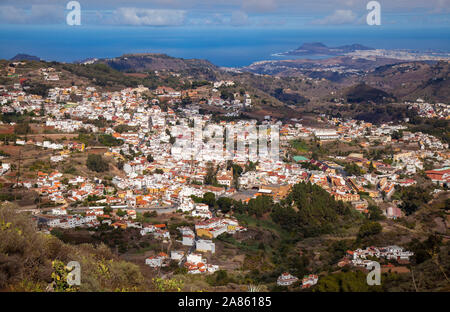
x=318, y=48
x=25, y=57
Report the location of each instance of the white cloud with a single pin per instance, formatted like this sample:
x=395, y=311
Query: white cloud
x=182, y=12
x=339, y=17
x=38, y=14
x=259, y=6
x=10, y=14
x=215, y=19
x=148, y=17
x=239, y=18
x=441, y=6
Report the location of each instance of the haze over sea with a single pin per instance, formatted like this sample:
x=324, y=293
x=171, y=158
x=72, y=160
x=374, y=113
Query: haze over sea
x=222, y=46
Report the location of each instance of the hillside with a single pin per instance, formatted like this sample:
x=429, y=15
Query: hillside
x=283, y=89
x=355, y=82
x=149, y=62
x=29, y=260
x=364, y=93
x=100, y=75
x=411, y=80
x=335, y=69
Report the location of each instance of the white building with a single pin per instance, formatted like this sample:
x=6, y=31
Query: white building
x=326, y=134
x=176, y=254
x=286, y=279
x=205, y=245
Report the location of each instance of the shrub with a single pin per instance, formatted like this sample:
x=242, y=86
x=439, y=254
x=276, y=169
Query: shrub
x=369, y=228
x=96, y=163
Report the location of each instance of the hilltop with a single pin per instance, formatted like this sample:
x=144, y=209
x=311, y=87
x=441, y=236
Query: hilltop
x=146, y=62
x=25, y=57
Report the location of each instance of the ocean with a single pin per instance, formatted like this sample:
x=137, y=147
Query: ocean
x=231, y=47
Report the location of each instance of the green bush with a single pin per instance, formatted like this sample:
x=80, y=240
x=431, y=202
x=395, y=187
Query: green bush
x=96, y=163
x=369, y=228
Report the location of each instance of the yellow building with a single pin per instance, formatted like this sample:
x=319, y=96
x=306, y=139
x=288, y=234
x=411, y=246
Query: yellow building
x=204, y=233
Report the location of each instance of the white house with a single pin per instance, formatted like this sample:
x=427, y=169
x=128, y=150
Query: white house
x=286, y=279
x=176, y=254
x=157, y=261
x=205, y=245
x=147, y=229
x=194, y=258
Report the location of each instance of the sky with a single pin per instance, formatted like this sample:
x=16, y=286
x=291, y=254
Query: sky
x=227, y=13
x=226, y=32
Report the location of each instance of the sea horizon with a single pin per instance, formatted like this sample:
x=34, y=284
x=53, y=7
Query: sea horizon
x=221, y=46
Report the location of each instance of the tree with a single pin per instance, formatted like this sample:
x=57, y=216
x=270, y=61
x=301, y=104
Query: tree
x=224, y=204
x=426, y=249
x=60, y=276
x=316, y=212
x=375, y=213
x=219, y=278
x=260, y=205
x=338, y=249
x=121, y=213
x=186, y=101
x=413, y=198
x=397, y=134
x=124, y=128
x=210, y=199
x=369, y=228
x=352, y=169
x=226, y=94
x=210, y=178
x=345, y=282
x=96, y=163
x=150, y=158
x=22, y=128
x=167, y=285
x=309, y=166
x=109, y=140
x=251, y=166
x=237, y=171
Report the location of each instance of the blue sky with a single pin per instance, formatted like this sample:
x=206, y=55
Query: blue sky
x=226, y=32
x=228, y=13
